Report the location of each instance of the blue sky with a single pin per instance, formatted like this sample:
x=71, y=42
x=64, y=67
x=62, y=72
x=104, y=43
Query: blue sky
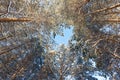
x=64, y=39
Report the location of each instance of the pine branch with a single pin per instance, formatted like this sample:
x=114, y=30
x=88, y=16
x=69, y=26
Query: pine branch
x=104, y=9
x=5, y=37
x=109, y=20
x=9, y=49
x=24, y=19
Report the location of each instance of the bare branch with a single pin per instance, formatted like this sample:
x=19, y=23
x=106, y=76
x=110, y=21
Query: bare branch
x=9, y=49
x=17, y=72
x=104, y=9
x=109, y=20
x=24, y=19
x=2, y=38
x=114, y=53
x=97, y=42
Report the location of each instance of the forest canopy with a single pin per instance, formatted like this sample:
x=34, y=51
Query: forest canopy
x=28, y=29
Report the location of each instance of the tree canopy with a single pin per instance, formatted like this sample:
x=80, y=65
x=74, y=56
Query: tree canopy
x=28, y=28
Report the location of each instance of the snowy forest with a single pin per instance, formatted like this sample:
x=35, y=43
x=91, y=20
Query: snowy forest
x=28, y=33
